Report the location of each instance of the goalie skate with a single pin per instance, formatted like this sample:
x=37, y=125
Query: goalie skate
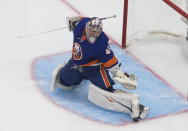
x=143, y=111
x=142, y=114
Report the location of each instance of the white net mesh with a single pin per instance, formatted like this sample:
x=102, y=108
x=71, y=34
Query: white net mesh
x=154, y=19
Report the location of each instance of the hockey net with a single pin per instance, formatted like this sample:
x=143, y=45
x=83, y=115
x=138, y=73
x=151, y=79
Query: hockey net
x=153, y=19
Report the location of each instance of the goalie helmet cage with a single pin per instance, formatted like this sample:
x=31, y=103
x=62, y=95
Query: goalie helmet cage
x=143, y=17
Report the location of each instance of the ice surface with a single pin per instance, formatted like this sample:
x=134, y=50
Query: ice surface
x=22, y=105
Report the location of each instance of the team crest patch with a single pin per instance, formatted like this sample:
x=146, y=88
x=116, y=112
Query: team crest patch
x=76, y=52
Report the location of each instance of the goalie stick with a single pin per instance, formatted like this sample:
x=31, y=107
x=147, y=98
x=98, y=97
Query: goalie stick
x=44, y=32
x=60, y=28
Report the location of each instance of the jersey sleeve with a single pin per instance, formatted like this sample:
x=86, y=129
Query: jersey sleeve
x=79, y=29
x=107, y=57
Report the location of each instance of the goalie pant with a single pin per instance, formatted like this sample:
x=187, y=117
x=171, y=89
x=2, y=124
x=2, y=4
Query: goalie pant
x=71, y=75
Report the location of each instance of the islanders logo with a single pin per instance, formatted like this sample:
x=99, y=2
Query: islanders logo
x=76, y=52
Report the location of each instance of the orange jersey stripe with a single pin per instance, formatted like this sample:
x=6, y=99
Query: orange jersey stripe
x=90, y=63
x=110, y=62
x=105, y=78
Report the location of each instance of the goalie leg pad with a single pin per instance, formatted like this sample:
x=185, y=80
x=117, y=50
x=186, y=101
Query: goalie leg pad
x=119, y=100
x=56, y=79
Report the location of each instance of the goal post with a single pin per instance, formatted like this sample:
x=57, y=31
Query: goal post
x=125, y=16
x=143, y=17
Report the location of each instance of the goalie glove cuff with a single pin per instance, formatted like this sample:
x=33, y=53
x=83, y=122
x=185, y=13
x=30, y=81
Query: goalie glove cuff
x=128, y=81
x=114, y=70
x=72, y=22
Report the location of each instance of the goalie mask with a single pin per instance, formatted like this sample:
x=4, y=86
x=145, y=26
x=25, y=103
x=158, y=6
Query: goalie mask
x=93, y=29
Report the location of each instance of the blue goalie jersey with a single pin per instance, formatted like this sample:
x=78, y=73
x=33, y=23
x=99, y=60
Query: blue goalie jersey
x=87, y=54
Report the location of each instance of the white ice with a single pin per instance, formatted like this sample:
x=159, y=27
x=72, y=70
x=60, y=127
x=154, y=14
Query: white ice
x=24, y=108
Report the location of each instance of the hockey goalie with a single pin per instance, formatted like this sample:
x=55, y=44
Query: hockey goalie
x=93, y=60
